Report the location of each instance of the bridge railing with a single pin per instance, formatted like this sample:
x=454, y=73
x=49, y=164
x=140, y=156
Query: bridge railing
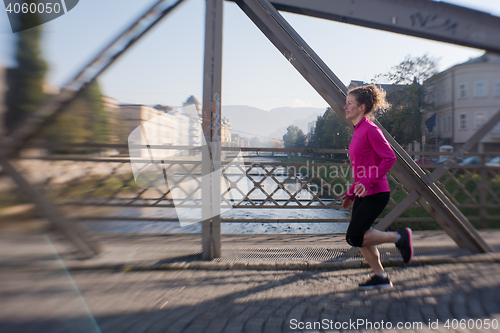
x=101, y=185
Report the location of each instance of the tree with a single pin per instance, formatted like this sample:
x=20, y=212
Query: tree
x=300, y=141
x=311, y=143
x=99, y=122
x=331, y=131
x=25, y=92
x=410, y=70
x=275, y=143
x=255, y=142
x=404, y=118
x=294, y=137
x=85, y=121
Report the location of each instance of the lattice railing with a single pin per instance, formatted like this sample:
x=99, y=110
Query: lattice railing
x=309, y=184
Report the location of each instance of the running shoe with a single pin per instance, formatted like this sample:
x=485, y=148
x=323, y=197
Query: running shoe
x=376, y=282
x=404, y=245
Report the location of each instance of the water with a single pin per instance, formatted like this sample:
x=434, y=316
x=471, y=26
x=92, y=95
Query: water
x=228, y=228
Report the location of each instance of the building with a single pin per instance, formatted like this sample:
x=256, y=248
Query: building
x=225, y=132
x=149, y=126
x=465, y=96
x=164, y=108
x=192, y=108
x=244, y=142
x=311, y=127
x=235, y=140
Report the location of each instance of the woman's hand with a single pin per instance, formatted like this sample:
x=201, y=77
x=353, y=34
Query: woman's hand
x=360, y=190
x=346, y=201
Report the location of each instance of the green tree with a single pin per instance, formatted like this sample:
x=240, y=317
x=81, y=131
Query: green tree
x=85, y=121
x=311, y=143
x=25, y=91
x=294, y=137
x=300, y=141
x=331, y=132
x=99, y=123
x=404, y=118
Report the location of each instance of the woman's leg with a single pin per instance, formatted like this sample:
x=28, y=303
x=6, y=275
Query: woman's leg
x=375, y=237
x=365, y=211
x=372, y=256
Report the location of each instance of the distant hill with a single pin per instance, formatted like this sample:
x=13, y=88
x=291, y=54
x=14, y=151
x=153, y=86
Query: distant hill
x=249, y=121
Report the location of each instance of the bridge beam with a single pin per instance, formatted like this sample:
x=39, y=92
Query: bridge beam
x=420, y=18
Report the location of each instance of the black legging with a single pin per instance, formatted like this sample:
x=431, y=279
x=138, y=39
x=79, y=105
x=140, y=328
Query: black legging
x=364, y=212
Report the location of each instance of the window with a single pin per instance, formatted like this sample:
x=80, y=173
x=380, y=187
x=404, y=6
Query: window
x=445, y=124
x=462, y=90
x=463, y=121
x=479, y=119
x=496, y=89
x=480, y=89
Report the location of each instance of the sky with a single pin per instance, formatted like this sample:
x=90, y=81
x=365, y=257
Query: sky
x=166, y=65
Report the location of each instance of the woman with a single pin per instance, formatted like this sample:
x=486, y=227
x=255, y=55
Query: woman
x=371, y=158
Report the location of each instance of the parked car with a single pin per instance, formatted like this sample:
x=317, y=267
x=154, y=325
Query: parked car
x=473, y=160
x=441, y=161
x=426, y=160
x=495, y=161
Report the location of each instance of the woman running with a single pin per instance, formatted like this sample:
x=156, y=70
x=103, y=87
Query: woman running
x=371, y=158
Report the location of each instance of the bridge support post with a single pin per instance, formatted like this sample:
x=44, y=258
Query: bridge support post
x=211, y=112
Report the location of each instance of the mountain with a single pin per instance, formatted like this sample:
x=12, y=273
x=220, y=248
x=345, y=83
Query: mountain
x=248, y=121
x=301, y=123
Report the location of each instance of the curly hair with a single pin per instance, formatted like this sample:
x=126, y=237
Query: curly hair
x=371, y=96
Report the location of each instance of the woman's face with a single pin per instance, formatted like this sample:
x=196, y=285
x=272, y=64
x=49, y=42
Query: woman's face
x=353, y=111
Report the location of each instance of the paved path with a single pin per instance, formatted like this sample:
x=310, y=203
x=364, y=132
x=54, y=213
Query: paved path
x=38, y=294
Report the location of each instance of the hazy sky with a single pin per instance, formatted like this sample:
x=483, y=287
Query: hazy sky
x=166, y=66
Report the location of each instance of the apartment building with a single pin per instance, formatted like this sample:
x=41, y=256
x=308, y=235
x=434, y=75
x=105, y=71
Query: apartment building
x=148, y=126
x=465, y=97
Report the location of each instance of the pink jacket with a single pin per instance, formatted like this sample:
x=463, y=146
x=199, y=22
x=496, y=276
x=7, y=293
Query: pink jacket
x=371, y=158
